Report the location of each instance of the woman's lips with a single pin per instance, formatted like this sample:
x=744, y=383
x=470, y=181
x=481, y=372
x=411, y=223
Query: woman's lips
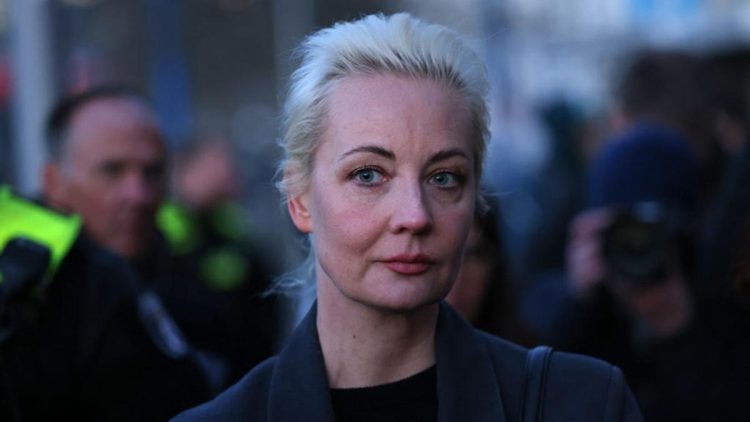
x=408, y=268
x=409, y=264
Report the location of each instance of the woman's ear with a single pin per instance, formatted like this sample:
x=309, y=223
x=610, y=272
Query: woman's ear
x=300, y=213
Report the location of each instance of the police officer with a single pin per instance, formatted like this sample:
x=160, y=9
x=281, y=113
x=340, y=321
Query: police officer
x=216, y=258
x=108, y=164
x=78, y=338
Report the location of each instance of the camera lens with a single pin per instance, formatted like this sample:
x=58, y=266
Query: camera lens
x=637, y=244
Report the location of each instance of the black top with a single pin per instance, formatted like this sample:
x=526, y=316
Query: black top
x=410, y=399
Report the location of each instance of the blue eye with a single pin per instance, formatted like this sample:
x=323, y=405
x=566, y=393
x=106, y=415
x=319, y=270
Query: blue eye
x=445, y=180
x=367, y=176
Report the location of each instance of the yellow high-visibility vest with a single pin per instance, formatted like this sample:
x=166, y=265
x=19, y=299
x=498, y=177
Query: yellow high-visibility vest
x=25, y=219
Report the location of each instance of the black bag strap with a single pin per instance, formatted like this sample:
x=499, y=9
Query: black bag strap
x=532, y=403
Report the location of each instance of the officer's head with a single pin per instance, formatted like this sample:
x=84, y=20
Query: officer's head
x=106, y=162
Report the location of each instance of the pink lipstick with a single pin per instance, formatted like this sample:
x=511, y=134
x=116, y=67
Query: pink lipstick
x=408, y=264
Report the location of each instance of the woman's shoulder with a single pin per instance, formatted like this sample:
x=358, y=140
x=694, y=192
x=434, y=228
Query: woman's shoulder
x=245, y=400
x=510, y=355
x=573, y=383
x=583, y=382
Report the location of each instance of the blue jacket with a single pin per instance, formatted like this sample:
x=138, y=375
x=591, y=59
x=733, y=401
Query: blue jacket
x=479, y=377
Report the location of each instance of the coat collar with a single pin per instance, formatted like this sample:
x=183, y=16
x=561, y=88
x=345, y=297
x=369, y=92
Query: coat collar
x=467, y=387
x=299, y=386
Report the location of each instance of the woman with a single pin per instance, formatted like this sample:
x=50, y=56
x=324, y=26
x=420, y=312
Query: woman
x=483, y=292
x=386, y=125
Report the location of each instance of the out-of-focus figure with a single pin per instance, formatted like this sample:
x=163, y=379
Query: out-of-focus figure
x=217, y=260
x=725, y=287
x=206, y=176
x=723, y=241
x=109, y=165
x=675, y=89
x=632, y=261
x=82, y=336
x=483, y=292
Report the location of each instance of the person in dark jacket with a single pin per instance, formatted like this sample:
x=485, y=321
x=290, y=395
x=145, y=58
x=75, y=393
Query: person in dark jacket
x=78, y=339
x=633, y=273
x=216, y=260
x=385, y=130
x=108, y=163
x=484, y=293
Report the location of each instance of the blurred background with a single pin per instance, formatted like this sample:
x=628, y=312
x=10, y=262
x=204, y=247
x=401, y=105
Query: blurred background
x=217, y=68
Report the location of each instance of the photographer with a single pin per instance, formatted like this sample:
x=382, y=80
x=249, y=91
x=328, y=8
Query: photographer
x=631, y=274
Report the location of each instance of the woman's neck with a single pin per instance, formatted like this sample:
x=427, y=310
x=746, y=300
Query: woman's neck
x=364, y=346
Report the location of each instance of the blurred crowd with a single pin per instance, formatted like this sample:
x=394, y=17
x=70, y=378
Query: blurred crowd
x=133, y=286
x=639, y=256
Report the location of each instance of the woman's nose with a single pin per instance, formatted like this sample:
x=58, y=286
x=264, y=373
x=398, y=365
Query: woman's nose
x=411, y=211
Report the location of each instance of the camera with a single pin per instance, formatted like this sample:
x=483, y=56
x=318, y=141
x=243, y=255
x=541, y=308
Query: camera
x=642, y=241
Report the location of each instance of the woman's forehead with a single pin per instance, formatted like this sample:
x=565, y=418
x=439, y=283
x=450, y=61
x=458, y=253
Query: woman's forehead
x=393, y=111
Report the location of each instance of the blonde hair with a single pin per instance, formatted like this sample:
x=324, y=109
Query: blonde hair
x=399, y=44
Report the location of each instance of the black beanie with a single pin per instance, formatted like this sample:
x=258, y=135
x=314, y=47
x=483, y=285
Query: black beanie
x=647, y=163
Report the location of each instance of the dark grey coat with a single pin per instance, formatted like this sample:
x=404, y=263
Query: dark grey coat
x=479, y=377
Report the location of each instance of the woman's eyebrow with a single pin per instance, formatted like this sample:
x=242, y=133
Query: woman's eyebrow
x=369, y=149
x=373, y=149
x=445, y=154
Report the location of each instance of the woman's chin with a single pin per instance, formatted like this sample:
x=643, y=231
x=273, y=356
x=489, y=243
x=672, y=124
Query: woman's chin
x=402, y=303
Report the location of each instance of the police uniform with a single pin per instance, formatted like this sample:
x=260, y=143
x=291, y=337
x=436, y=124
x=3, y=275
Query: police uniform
x=212, y=283
x=86, y=342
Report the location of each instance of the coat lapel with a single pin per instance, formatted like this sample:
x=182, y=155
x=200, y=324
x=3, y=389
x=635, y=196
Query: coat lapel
x=467, y=386
x=299, y=386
